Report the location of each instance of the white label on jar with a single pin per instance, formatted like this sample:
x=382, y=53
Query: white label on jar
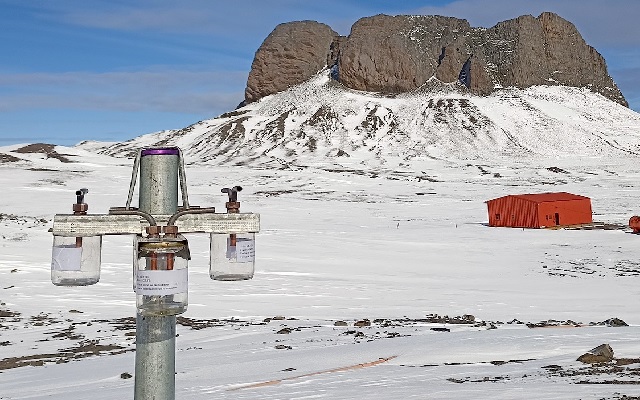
x=163, y=282
x=245, y=250
x=66, y=258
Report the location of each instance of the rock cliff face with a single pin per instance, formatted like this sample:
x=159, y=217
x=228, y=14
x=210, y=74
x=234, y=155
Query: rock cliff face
x=399, y=54
x=291, y=54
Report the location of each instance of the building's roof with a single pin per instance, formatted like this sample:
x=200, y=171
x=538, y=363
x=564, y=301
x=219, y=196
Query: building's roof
x=546, y=197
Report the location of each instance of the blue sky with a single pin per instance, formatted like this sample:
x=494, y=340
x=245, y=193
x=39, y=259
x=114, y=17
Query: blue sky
x=114, y=69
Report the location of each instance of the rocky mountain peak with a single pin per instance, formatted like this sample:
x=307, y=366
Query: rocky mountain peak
x=389, y=97
x=399, y=54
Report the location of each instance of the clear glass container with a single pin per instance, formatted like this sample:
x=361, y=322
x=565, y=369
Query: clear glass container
x=75, y=261
x=161, y=275
x=232, y=256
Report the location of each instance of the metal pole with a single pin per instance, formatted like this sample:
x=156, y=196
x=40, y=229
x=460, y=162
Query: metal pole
x=156, y=335
x=159, y=181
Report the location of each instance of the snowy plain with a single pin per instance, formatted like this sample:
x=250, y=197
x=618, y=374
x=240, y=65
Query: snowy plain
x=338, y=246
x=379, y=282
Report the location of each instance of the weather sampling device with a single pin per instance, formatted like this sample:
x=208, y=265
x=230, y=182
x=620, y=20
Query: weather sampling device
x=161, y=255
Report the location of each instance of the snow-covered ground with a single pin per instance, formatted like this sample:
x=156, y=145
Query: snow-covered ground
x=407, y=250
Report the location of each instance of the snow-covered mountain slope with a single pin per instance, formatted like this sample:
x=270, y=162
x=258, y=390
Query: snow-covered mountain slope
x=321, y=123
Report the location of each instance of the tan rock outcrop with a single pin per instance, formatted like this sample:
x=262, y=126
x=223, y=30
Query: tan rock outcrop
x=397, y=54
x=290, y=55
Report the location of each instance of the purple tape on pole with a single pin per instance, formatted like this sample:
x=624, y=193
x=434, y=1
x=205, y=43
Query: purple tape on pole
x=172, y=151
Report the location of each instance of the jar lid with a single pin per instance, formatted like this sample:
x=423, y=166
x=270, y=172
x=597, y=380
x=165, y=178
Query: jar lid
x=172, y=151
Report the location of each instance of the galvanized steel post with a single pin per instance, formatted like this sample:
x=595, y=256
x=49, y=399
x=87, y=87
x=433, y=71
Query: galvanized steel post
x=159, y=170
x=156, y=335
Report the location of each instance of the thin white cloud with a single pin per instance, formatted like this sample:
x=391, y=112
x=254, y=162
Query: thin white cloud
x=610, y=22
x=168, y=91
x=128, y=18
x=185, y=17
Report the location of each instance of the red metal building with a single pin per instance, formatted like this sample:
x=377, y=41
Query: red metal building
x=539, y=210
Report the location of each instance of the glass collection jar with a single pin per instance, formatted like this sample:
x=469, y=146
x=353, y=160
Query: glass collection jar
x=75, y=261
x=161, y=275
x=232, y=256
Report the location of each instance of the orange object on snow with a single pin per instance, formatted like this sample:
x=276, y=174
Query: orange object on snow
x=634, y=223
x=542, y=210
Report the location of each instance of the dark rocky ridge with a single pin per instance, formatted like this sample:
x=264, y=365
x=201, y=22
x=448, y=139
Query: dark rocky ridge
x=398, y=54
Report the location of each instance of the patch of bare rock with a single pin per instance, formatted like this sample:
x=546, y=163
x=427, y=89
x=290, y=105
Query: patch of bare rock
x=44, y=148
